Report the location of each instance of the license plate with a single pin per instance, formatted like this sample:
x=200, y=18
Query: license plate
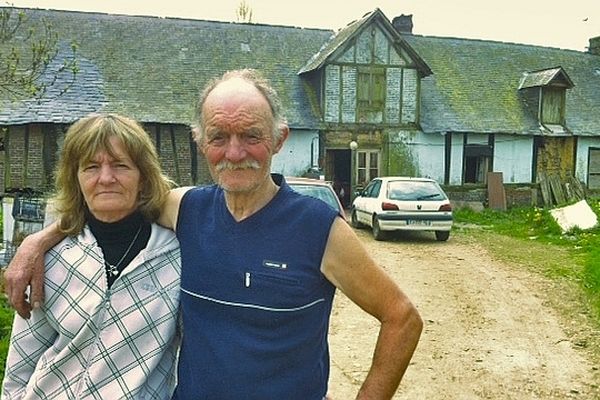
x=418, y=222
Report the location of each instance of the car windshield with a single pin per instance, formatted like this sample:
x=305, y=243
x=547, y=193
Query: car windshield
x=414, y=190
x=319, y=192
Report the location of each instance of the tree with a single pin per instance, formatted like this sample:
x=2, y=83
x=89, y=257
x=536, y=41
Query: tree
x=244, y=12
x=27, y=51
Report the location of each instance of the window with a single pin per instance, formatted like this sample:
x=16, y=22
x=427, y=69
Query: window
x=372, y=189
x=370, y=94
x=594, y=168
x=552, y=105
x=367, y=166
x=477, y=163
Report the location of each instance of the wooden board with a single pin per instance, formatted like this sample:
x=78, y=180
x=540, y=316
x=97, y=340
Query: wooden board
x=496, y=193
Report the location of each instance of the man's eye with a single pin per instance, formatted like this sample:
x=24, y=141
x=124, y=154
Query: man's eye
x=253, y=139
x=216, y=140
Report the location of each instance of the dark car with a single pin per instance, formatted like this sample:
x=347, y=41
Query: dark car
x=319, y=189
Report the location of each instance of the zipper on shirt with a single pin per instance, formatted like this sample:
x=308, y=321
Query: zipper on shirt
x=247, y=279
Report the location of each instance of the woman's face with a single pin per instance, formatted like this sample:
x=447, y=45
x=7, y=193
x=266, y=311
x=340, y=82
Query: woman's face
x=110, y=186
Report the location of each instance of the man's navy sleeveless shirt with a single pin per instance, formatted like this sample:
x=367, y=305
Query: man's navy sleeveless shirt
x=255, y=305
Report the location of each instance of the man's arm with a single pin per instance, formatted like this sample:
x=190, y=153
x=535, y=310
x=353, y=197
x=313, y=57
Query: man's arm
x=27, y=269
x=348, y=266
x=170, y=211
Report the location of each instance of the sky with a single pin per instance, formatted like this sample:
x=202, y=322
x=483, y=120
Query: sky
x=551, y=23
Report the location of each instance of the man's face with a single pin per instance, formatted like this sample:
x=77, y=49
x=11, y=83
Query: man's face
x=238, y=136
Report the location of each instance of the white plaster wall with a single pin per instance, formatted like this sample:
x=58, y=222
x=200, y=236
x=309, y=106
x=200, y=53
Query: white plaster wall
x=428, y=150
x=456, y=159
x=513, y=156
x=294, y=158
x=583, y=150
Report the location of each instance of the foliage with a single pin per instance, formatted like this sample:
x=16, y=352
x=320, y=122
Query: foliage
x=6, y=319
x=244, y=12
x=26, y=50
x=537, y=224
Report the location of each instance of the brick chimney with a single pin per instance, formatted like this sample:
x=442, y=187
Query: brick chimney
x=594, y=47
x=403, y=23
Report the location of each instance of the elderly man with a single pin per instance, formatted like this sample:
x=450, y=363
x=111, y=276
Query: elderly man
x=260, y=264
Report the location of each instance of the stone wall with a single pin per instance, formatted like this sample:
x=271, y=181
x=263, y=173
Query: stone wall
x=477, y=196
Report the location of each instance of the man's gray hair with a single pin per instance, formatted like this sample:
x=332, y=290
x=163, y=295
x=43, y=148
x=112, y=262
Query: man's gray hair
x=261, y=83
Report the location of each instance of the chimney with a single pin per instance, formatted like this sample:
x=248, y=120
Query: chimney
x=403, y=23
x=594, y=47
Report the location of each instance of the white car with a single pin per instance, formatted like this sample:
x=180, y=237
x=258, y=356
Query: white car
x=402, y=203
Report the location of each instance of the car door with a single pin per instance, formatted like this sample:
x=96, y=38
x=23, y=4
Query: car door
x=366, y=203
x=360, y=203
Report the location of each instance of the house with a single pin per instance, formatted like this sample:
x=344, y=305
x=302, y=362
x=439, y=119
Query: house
x=369, y=99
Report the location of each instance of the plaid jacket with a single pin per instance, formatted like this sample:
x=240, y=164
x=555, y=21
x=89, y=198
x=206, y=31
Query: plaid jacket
x=88, y=342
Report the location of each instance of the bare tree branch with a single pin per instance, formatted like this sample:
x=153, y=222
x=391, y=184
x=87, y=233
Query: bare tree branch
x=27, y=48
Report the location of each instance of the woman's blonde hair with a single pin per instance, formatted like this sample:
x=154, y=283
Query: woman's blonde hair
x=83, y=140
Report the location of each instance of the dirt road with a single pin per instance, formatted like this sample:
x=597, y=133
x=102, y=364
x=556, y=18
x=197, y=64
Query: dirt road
x=489, y=331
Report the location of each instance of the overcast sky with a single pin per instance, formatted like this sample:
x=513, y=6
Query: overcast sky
x=564, y=24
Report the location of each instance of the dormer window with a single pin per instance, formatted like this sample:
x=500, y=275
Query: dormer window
x=545, y=92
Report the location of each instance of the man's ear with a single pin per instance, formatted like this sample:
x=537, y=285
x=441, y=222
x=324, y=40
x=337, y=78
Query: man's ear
x=284, y=132
x=198, y=140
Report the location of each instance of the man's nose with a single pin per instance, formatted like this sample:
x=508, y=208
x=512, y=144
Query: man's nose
x=236, y=150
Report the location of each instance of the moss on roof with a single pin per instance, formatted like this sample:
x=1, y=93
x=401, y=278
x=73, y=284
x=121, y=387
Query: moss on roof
x=153, y=68
x=475, y=85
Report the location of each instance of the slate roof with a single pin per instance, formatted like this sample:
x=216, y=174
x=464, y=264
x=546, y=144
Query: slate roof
x=544, y=78
x=152, y=68
x=66, y=100
x=474, y=86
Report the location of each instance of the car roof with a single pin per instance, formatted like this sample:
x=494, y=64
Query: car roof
x=307, y=181
x=404, y=178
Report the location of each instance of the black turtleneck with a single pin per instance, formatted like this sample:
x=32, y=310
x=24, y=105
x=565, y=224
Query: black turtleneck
x=114, y=238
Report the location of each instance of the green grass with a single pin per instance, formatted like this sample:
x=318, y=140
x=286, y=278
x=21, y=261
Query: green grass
x=536, y=225
x=6, y=319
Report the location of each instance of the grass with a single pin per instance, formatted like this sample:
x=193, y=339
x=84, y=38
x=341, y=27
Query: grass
x=530, y=237
x=6, y=319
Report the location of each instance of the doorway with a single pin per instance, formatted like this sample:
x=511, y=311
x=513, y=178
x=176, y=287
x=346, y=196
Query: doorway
x=338, y=172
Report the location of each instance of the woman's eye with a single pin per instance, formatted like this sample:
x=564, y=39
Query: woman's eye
x=88, y=168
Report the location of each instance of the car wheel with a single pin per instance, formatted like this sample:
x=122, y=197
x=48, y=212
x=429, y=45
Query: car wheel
x=442, y=236
x=378, y=234
x=354, y=220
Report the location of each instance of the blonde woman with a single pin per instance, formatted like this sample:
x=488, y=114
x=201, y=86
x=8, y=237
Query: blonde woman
x=109, y=326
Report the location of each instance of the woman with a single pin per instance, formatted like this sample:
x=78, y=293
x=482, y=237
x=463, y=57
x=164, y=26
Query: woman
x=109, y=326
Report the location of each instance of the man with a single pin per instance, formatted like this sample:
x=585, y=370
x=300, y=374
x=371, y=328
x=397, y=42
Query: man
x=260, y=264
